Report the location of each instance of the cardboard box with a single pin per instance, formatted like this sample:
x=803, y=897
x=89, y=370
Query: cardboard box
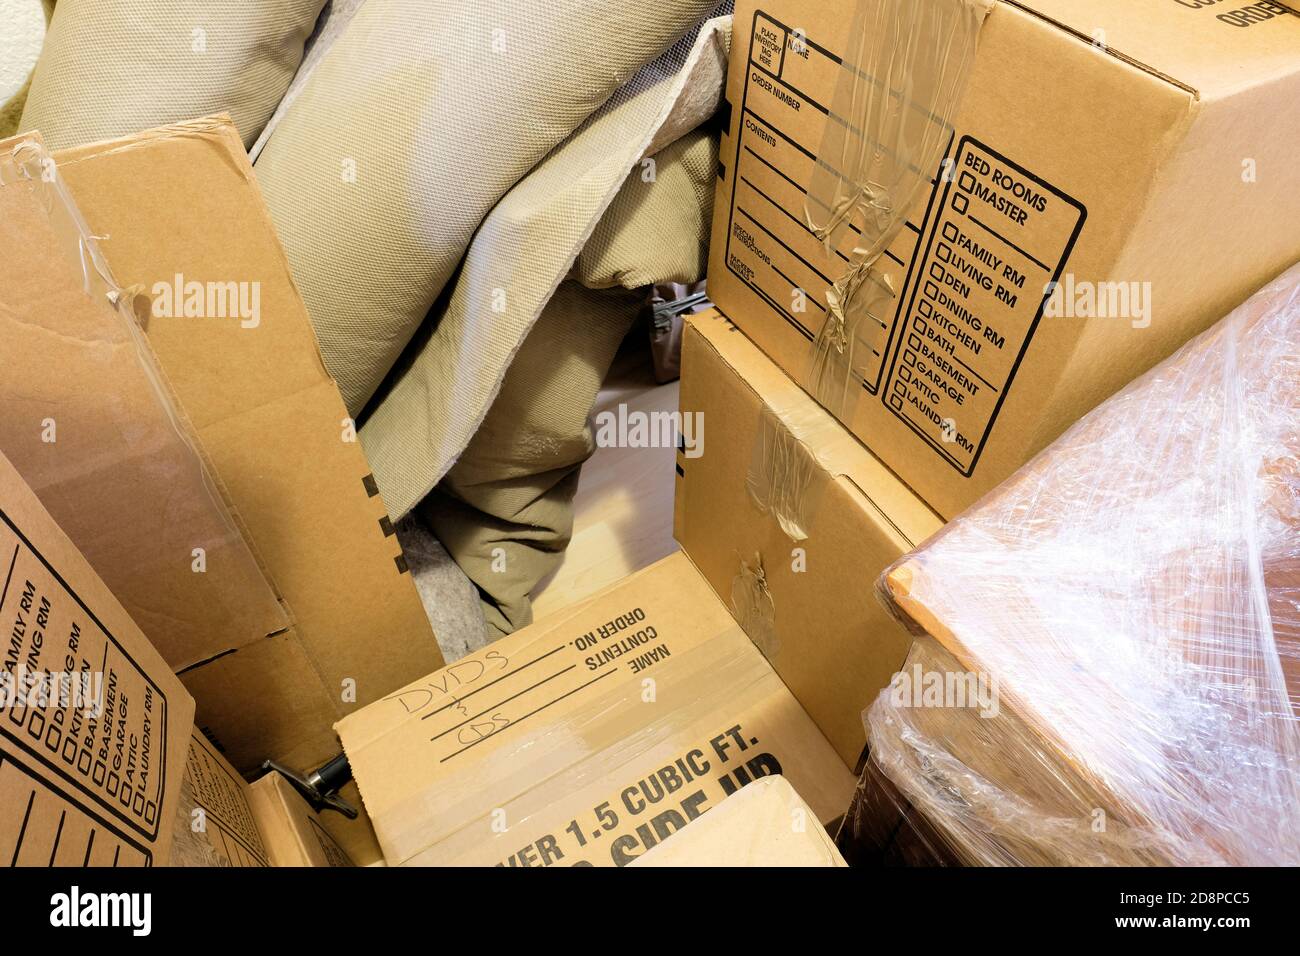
x=93, y=426
x=765, y=824
x=588, y=737
x=355, y=837
x=815, y=615
x=231, y=823
x=224, y=821
x=1132, y=153
x=93, y=723
x=292, y=830
x=329, y=618
x=1112, y=670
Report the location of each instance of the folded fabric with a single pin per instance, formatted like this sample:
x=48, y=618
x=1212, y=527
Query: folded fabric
x=410, y=129
x=112, y=67
x=505, y=509
x=440, y=391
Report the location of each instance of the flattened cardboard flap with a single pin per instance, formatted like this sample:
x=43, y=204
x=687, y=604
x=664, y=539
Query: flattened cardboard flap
x=90, y=421
x=184, y=220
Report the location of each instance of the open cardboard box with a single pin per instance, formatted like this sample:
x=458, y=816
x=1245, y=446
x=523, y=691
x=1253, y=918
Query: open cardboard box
x=203, y=457
x=1113, y=178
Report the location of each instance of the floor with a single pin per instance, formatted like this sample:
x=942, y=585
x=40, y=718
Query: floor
x=623, y=510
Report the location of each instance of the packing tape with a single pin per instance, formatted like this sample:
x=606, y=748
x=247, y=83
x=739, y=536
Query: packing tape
x=215, y=130
x=786, y=480
x=901, y=80
x=782, y=469
x=753, y=608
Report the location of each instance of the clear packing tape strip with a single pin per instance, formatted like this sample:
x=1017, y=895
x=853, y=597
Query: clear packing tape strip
x=1132, y=597
x=785, y=480
x=91, y=423
x=890, y=122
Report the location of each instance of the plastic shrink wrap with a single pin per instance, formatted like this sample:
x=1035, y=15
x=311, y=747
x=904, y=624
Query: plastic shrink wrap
x=1107, y=668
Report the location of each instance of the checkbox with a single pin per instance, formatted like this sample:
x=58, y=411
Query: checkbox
x=924, y=307
x=932, y=290
x=69, y=750
x=950, y=231
x=966, y=182
x=899, y=389
x=98, y=775
x=124, y=796
x=53, y=737
x=914, y=341
x=904, y=374
x=960, y=203
x=943, y=252
x=909, y=357
x=36, y=725
x=113, y=782
x=83, y=763
x=895, y=403
x=918, y=323
x=936, y=272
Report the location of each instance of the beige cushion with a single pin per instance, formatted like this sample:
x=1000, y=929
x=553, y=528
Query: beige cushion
x=505, y=510
x=441, y=390
x=411, y=129
x=112, y=67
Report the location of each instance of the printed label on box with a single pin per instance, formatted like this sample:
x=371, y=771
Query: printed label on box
x=789, y=268
x=78, y=710
x=995, y=241
x=224, y=798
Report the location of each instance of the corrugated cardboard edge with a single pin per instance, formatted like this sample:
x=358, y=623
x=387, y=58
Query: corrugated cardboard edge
x=706, y=324
x=191, y=434
x=273, y=802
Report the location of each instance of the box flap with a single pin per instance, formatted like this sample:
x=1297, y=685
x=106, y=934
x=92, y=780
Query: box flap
x=765, y=824
x=226, y=321
x=489, y=759
x=833, y=447
x=1208, y=48
x=182, y=201
x=93, y=425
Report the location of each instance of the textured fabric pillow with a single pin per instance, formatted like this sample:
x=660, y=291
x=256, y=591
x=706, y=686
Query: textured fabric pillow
x=441, y=390
x=408, y=132
x=112, y=67
x=505, y=509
